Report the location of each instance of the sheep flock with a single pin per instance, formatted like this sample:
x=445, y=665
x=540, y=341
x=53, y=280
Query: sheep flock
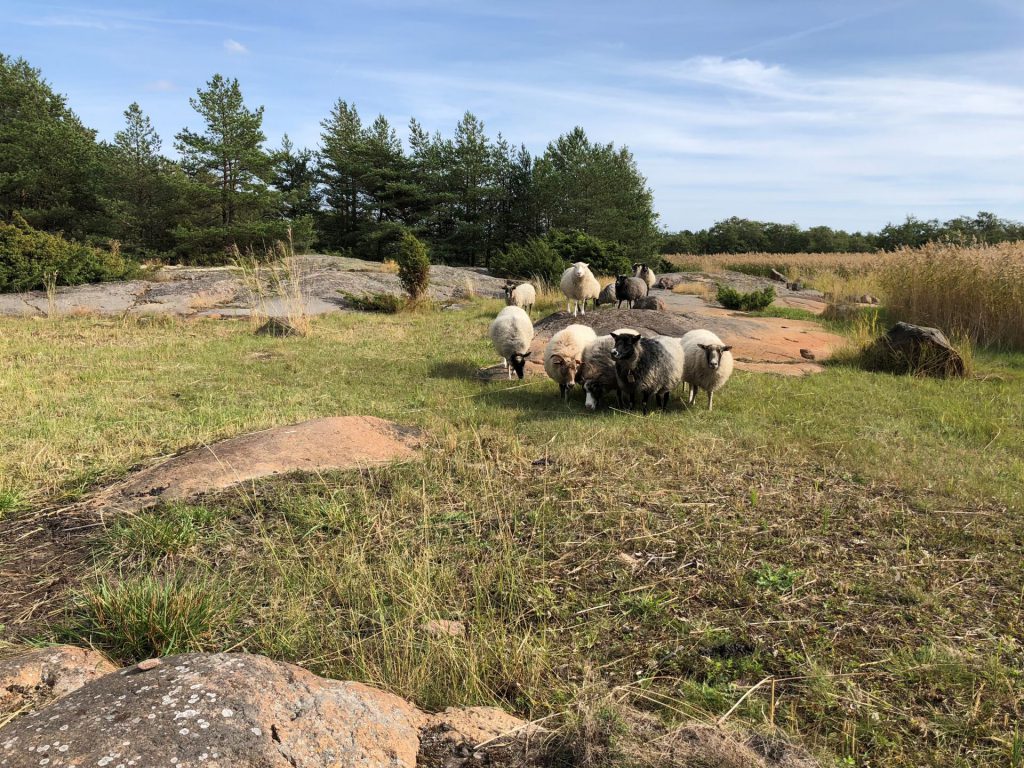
x=635, y=369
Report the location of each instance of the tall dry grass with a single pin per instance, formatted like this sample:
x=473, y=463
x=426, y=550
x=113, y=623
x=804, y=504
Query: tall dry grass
x=274, y=284
x=796, y=266
x=973, y=292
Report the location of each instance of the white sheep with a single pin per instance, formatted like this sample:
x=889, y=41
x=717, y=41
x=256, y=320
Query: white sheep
x=708, y=363
x=523, y=295
x=511, y=333
x=579, y=284
x=563, y=355
x=645, y=273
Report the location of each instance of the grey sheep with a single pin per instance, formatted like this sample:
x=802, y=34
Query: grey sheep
x=629, y=289
x=645, y=367
x=598, y=371
x=511, y=333
x=649, y=302
x=607, y=295
x=708, y=363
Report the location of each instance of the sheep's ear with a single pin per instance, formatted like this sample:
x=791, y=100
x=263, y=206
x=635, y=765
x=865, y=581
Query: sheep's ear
x=727, y=348
x=526, y=354
x=615, y=336
x=558, y=359
x=703, y=346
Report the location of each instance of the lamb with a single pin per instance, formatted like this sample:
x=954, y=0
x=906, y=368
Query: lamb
x=629, y=289
x=511, y=333
x=607, y=295
x=563, y=355
x=598, y=371
x=645, y=367
x=708, y=363
x=579, y=284
x=645, y=273
x=523, y=295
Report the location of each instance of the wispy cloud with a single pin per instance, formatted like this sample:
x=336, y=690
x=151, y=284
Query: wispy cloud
x=233, y=46
x=65, y=21
x=162, y=86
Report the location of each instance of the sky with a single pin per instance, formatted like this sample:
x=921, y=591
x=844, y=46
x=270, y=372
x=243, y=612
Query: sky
x=847, y=114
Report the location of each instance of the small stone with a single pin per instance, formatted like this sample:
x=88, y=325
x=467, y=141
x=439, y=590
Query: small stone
x=806, y=354
x=444, y=628
x=147, y=664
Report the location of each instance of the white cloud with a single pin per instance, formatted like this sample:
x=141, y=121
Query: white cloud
x=161, y=86
x=233, y=46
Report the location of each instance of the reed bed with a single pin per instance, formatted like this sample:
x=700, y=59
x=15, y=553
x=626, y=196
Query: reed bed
x=974, y=292
x=796, y=266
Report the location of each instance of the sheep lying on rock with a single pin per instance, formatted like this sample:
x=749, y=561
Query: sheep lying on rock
x=511, y=333
x=598, y=371
x=523, y=295
x=708, y=363
x=563, y=355
x=579, y=284
x=646, y=367
x=629, y=289
x=649, y=302
x=607, y=295
x=645, y=273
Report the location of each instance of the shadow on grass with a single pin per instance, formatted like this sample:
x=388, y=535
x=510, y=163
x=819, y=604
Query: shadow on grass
x=454, y=369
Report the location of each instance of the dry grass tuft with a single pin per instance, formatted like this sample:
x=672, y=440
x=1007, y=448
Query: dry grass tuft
x=705, y=291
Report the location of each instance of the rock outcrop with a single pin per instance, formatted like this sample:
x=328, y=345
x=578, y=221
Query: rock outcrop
x=31, y=680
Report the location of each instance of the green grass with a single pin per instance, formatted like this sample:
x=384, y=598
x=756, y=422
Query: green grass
x=855, y=537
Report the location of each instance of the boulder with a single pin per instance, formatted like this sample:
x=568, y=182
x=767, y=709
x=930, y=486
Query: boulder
x=915, y=349
x=867, y=298
x=33, y=679
x=217, y=710
x=649, y=302
x=668, y=282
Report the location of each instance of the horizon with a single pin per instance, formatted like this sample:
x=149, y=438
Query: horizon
x=792, y=114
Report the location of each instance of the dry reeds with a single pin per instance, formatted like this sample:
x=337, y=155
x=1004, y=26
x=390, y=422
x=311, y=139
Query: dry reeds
x=794, y=265
x=974, y=292
x=274, y=285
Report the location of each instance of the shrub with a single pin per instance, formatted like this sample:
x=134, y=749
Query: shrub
x=413, y=265
x=730, y=298
x=603, y=256
x=386, y=303
x=534, y=258
x=214, y=246
x=29, y=259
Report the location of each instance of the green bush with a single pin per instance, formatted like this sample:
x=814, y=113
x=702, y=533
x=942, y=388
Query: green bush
x=386, y=303
x=30, y=258
x=413, y=265
x=754, y=301
x=212, y=246
x=604, y=257
x=534, y=258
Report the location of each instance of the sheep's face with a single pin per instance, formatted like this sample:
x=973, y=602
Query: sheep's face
x=508, y=292
x=571, y=368
x=639, y=269
x=518, y=363
x=579, y=269
x=627, y=347
x=594, y=392
x=620, y=282
x=713, y=354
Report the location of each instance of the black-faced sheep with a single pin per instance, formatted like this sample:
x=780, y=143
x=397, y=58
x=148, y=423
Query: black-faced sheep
x=645, y=273
x=708, y=363
x=646, y=367
x=523, y=295
x=598, y=371
x=511, y=333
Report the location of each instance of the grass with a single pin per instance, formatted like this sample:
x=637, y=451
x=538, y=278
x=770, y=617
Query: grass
x=854, y=538
x=974, y=292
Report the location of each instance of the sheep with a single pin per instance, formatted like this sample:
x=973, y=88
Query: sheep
x=563, y=355
x=523, y=295
x=607, y=295
x=511, y=333
x=645, y=367
x=579, y=284
x=645, y=273
x=708, y=363
x=598, y=371
x=629, y=289
x=649, y=302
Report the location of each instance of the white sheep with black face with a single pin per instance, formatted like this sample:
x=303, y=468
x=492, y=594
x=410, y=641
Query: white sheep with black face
x=563, y=356
x=645, y=273
x=707, y=363
x=522, y=295
x=511, y=333
x=579, y=284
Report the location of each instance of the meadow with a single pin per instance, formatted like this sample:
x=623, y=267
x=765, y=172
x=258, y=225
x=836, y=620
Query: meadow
x=838, y=555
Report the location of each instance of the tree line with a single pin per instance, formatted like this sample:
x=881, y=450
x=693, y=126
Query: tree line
x=736, y=235
x=468, y=196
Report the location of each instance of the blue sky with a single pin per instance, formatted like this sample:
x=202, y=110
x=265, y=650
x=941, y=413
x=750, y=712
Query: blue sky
x=850, y=114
